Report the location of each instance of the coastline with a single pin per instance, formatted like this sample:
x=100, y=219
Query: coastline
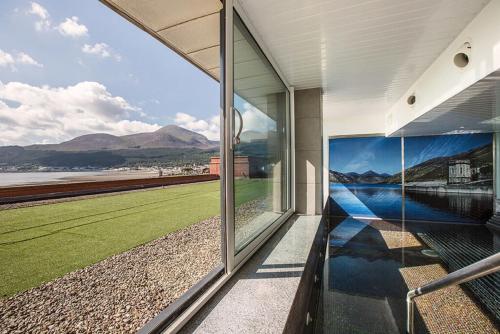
x=45, y=178
x=451, y=188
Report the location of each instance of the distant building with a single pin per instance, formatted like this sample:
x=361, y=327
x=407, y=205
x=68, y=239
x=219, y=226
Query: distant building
x=459, y=171
x=214, y=166
x=244, y=166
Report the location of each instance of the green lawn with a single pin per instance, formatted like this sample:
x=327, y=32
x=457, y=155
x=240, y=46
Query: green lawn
x=40, y=243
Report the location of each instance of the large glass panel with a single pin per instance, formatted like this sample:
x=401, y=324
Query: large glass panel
x=261, y=146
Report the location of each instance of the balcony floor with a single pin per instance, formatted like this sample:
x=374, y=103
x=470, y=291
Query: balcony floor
x=259, y=297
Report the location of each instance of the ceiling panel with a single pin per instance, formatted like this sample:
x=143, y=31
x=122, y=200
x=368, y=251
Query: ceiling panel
x=161, y=14
x=207, y=58
x=189, y=27
x=194, y=35
x=358, y=50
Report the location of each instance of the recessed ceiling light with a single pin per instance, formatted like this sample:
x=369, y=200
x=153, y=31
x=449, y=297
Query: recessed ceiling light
x=461, y=58
x=411, y=99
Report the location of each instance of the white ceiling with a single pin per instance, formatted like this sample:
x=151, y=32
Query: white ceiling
x=475, y=109
x=362, y=52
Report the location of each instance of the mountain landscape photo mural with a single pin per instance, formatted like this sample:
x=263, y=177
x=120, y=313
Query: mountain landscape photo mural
x=447, y=178
x=428, y=167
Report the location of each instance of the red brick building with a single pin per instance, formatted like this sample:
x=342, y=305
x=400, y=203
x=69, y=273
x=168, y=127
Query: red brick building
x=241, y=166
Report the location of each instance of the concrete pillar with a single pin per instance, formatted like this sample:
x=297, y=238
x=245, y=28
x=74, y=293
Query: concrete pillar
x=308, y=152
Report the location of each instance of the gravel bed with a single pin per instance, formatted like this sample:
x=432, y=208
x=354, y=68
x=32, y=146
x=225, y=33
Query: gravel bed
x=119, y=294
x=248, y=213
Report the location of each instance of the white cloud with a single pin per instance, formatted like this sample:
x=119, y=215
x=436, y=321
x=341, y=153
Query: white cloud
x=21, y=58
x=102, y=50
x=182, y=118
x=26, y=59
x=38, y=10
x=208, y=128
x=6, y=59
x=31, y=114
x=256, y=120
x=71, y=28
x=253, y=119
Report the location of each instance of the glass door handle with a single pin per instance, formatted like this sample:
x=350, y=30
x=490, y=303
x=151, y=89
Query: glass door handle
x=236, y=139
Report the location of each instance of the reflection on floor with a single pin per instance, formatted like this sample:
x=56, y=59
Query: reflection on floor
x=372, y=264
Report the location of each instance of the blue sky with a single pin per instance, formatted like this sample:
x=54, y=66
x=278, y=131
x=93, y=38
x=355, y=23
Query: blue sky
x=420, y=149
x=380, y=154
x=49, y=47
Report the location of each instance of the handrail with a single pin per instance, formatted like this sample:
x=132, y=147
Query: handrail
x=476, y=270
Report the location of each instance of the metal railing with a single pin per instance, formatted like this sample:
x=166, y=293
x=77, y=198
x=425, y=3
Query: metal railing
x=476, y=270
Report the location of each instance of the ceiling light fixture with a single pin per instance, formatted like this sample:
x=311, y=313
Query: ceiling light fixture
x=411, y=99
x=462, y=57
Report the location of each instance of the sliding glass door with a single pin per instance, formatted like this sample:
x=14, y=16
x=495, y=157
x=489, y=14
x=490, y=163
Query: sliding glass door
x=260, y=161
x=257, y=161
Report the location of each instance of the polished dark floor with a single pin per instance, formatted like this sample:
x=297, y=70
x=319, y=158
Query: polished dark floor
x=364, y=288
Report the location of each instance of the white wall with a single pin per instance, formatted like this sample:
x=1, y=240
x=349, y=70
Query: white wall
x=345, y=119
x=443, y=79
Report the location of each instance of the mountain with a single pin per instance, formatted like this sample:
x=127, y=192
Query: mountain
x=437, y=168
x=90, y=142
x=371, y=177
x=170, y=136
x=339, y=177
x=168, y=146
x=368, y=177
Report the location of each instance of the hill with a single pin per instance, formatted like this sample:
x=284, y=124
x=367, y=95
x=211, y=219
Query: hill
x=437, y=168
x=169, y=146
x=368, y=177
x=170, y=136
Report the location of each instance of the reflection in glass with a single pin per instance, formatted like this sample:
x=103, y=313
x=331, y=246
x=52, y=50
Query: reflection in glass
x=260, y=157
